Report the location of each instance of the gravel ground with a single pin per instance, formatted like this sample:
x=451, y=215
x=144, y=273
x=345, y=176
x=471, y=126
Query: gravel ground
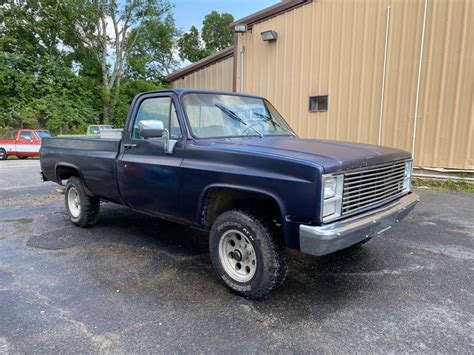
x=138, y=284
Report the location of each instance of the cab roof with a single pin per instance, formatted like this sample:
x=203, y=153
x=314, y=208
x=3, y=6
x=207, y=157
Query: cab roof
x=182, y=91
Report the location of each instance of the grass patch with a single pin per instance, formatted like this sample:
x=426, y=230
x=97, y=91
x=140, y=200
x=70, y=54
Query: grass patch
x=21, y=229
x=19, y=220
x=443, y=185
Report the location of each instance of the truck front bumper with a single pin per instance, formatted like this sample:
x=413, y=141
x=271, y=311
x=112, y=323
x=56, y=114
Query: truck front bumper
x=328, y=238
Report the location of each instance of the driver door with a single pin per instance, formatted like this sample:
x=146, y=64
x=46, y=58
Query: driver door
x=148, y=177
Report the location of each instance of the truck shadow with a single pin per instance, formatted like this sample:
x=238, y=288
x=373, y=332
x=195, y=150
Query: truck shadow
x=140, y=254
x=315, y=282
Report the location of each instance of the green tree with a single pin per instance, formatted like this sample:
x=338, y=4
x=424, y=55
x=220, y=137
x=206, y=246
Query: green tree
x=110, y=31
x=153, y=57
x=31, y=29
x=62, y=63
x=37, y=84
x=215, y=36
x=191, y=46
x=216, y=32
x=40, y=93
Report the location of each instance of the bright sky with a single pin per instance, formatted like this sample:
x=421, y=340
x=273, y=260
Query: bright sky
x=192, y=12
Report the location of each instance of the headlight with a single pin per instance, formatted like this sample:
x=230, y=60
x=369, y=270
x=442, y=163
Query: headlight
x=408, y=174
x=332, y=186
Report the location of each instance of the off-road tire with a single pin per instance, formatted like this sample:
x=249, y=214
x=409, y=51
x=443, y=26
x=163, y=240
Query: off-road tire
x=271, y=266
x=89, y=206
x=278, y=238
x=3, y=154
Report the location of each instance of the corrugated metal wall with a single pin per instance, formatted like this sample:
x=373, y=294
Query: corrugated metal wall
x=336, y=47
x=217, y=76
x=446, y=122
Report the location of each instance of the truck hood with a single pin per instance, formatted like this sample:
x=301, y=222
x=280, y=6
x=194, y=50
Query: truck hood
x=332, y=156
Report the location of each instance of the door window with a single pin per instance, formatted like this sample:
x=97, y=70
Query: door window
x=27, y=135
x=158, y=109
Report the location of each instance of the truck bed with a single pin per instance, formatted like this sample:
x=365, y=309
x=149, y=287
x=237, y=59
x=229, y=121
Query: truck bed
x=94, y=157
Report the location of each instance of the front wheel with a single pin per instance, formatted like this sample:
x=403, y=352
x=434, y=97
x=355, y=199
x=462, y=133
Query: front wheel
x=246, y=255
x=83, y=210
x=22, y=157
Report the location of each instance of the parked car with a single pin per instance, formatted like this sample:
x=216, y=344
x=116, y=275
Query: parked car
x=26, y=143
x=229, y=164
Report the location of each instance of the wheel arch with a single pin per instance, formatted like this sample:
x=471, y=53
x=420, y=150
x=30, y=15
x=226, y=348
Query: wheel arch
x=218, y=198
x=64, y=171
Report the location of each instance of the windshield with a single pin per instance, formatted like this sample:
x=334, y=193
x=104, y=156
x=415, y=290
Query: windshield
x=221, y=115
x=43, y=134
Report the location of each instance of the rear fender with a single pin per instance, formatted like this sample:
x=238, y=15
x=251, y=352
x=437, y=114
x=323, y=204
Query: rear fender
x=70, y=167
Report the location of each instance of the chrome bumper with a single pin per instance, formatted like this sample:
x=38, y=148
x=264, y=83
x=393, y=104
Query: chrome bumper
x=328, y=238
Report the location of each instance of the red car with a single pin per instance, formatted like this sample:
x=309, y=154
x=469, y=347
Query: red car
x=26, y=144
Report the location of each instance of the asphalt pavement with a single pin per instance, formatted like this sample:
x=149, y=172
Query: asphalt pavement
x=134, y=283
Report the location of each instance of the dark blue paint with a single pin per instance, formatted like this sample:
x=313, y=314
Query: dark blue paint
x=286, y=169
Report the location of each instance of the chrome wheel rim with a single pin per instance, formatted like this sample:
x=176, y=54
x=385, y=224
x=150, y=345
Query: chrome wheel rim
x=237, y=256
x=73, y=202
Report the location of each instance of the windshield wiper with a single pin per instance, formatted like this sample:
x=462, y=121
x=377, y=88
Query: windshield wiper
x=234, y=116
x=268, y=118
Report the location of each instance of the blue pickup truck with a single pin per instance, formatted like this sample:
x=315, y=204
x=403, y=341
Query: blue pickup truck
x=229, y=164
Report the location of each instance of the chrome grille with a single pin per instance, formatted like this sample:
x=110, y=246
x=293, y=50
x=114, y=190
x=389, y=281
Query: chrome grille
x=371, y=186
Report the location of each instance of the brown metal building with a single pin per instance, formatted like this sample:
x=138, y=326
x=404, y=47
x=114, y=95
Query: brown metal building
x=393, y=72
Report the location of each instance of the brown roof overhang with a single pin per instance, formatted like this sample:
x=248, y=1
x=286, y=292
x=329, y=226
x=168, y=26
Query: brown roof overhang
x=271, y=11
x=223, y=54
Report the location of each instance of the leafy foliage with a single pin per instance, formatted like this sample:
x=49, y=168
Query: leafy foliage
x=111, y=30
x=42, y=93
x=67, y=64
x=191, y=47
x=215, y=36
x=153, y=56
x=216, y=32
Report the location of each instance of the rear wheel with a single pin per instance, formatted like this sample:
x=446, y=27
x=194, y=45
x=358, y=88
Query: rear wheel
x=23, y=157
x=3, y=154
x=245, y=254
x=83, y=210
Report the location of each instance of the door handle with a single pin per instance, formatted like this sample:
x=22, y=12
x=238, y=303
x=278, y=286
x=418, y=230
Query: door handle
x=129, y=145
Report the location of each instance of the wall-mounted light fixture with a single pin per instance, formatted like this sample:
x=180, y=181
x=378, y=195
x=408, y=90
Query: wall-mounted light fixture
x=240, y=28
x=269, y=36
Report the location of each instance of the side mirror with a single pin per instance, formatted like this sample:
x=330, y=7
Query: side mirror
x=155, y=129
x=151, y=129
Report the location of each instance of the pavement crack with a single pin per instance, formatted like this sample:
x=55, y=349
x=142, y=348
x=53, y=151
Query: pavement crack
x=103, y=342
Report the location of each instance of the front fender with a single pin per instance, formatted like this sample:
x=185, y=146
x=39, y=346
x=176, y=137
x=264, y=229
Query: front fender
x=251, y=189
